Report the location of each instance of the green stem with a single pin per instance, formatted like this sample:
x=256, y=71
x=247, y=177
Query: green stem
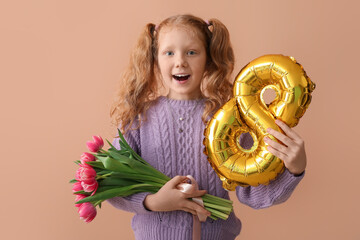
x=218, y=207
x=104, y=151
x=103, y=176
x=213, y=199
x=213, y=217
x=97, y=203
x=217, y=213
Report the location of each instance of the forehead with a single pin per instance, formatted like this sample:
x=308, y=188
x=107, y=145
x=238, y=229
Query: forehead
x=172, y=35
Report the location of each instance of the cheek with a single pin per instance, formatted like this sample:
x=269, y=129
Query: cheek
x=163, y=66
x=202, y=64
x=201, y=69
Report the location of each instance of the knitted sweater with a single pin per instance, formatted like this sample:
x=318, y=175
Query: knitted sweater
x=180, y=152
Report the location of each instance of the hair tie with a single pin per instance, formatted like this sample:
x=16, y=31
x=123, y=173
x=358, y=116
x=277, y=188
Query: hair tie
x=207, y=22
x=156, y=27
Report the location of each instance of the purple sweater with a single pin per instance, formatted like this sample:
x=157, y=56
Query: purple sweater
x=174, y=152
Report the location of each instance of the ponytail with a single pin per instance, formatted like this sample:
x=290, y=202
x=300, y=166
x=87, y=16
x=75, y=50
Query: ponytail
x=138, y=85
x=220, y=67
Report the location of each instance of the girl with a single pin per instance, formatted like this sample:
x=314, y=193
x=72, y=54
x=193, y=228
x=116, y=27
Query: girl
x=194, y=60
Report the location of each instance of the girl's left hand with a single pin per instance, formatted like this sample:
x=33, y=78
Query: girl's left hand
x=292, y=151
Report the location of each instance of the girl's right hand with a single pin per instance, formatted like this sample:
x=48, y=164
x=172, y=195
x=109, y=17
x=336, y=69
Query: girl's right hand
x=169, y=198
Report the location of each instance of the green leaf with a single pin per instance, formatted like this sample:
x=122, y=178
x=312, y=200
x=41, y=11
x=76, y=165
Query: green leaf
x=119, y=182
x=121, y=192
x=82, y=192
x=121, y=158
x=100, y=154
x=127, y=146
x=73, y=181
x=102, y=172
x=132, y=167
x=138, y=177
x=113, y=165
x=140, y=167
x=105, y=188
x=96, y=164
x=134, y=164
x=111, y=146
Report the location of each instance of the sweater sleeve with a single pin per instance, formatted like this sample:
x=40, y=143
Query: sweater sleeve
x=134, y=202
x=263, y=196
x=276, y=192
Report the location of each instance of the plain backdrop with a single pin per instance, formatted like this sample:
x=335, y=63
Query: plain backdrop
x=60, y=62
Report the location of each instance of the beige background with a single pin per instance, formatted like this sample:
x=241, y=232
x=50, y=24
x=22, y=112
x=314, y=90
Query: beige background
x=60, y=62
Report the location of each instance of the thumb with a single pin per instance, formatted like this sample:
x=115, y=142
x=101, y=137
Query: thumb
x=199, y=193
x=176, y=180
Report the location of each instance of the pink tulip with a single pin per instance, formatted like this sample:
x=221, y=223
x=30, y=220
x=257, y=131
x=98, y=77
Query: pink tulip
x=87, y=212
x=77, y=187
x=85, y=174
x=77, y=175
x=90, y=187
x=78, y=198
x=96, y=145
x=87, y=157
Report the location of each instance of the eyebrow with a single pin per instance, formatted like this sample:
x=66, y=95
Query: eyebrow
x=189, y=46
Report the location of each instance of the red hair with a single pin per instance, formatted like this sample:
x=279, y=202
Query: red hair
x=140, y=87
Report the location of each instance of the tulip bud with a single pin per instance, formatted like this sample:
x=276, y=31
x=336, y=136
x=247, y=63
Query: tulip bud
x=78, y=198
x=85, y=174
x=87, y=212
x=87, y=157
x=96, y=145
x=92, y=186
x=77, y=187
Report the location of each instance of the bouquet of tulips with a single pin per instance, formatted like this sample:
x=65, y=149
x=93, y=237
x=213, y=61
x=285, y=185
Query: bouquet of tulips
x=106, y=174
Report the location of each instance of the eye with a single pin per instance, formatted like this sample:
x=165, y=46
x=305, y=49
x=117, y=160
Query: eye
x=191, y=52
x=169, y=53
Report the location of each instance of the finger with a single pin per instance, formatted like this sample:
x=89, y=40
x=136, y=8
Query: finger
x=176, y=180
x=276, y=145
x=193, y=212
x=277, y=153
x=198, y=193
x=283, y=138
x=291, y=133
x=196, y=207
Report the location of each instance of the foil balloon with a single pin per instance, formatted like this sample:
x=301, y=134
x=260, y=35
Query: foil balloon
x=247, y=112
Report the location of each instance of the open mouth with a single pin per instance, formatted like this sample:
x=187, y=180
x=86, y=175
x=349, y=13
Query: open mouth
x=181, y=77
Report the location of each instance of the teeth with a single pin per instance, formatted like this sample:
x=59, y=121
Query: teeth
x=181, y=75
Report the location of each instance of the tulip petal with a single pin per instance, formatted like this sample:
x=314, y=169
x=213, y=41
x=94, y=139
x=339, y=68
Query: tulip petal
x=92, y=146
x=87, y=157
x=87, y=212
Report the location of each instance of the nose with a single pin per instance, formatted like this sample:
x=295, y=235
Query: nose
x=181, y=61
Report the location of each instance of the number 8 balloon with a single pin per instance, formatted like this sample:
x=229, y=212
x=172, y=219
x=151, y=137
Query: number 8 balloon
x=248, y=112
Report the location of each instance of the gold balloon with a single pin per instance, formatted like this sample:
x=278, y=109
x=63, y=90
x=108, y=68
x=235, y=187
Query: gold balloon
x=248, y=112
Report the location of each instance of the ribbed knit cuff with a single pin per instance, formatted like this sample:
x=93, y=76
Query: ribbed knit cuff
x=263, y=196
x=138, y=201
x=285, y=185
x=133, y=203
x=288, y=174
x=287, y=181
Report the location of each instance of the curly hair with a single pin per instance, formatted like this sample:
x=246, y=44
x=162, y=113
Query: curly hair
x=140, y=85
